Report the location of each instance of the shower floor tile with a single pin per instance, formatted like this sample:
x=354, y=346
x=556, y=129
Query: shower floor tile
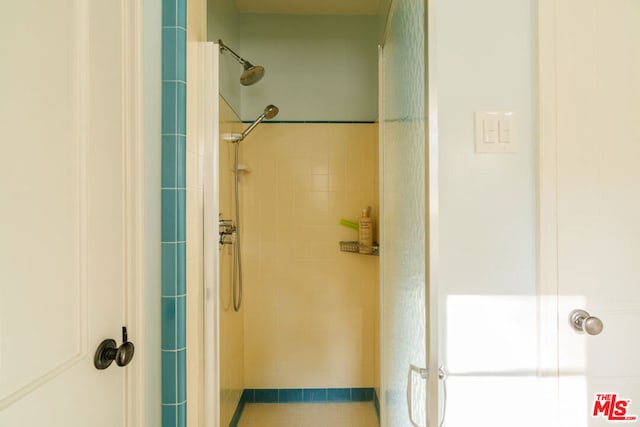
x=347, y=414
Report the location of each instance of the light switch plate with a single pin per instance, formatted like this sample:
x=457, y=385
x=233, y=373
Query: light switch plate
x=496, y=132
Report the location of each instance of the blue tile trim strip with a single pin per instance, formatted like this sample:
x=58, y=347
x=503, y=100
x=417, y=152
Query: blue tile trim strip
x=290, y=395
x=238, y=413
x=173, y=223
x=306, y=395
x=313, y=122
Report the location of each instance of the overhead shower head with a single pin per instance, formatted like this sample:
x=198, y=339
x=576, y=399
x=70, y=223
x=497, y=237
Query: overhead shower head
x=252, y=73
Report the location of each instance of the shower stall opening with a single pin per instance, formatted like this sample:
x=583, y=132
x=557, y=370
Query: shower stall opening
x=304, y=327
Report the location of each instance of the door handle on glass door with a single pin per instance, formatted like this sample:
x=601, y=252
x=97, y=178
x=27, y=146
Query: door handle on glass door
x=584, y=322
x=424, y=374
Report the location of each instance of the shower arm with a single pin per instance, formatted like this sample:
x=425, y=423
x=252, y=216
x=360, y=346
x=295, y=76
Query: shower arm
x=242, y=61
x=248, y=130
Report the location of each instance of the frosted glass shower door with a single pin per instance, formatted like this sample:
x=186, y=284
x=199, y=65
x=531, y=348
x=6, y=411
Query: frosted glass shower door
x=403, y=216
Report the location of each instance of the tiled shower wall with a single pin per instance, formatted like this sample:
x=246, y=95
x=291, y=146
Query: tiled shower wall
x=310, y=311
x=174, y=47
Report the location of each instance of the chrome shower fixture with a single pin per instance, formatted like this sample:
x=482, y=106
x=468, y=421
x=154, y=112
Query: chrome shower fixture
x=252, y=73
x=228, y=227
x=270, y=112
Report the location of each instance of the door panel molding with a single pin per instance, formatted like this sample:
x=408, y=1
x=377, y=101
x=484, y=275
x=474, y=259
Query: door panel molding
x=49, y=364
x=38, y=382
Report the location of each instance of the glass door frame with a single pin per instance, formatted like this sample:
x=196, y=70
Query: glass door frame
x=431, y=197
x=432, y=216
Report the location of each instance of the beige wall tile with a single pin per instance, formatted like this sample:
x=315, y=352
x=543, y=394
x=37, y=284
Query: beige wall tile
x=310, y=317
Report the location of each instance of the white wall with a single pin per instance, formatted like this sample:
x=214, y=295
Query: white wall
x=486, y=61
x=488, y=224
x=318, y=68
x=223, y=22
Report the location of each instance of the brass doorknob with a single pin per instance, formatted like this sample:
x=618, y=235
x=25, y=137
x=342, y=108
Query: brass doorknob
x=107, y=352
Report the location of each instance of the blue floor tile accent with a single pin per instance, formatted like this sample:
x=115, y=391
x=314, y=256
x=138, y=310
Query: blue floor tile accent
x=339, y=394
x=248, y=395
x=366, y=122
x=362, y=394
x=306, y=395
x=376, y=403
x=290, y=395
x=266, y=396
x=314, y=395
x=237, y=414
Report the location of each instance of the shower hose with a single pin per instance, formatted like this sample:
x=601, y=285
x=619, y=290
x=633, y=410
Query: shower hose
x=237, y=254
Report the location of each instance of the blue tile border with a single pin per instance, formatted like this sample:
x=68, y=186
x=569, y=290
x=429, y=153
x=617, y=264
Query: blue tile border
x=266, y=396
x=173, y=222
x=362, y=394
x=338, y=395
x=315, y=395
x=238, y=413
x=293, y=395
x=315, y=122
x=304, y=395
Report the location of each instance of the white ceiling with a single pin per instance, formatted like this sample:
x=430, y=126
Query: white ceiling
x=311, y=7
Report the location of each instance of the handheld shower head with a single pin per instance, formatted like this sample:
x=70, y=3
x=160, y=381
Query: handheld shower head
x=270, y=112
x=252, y=73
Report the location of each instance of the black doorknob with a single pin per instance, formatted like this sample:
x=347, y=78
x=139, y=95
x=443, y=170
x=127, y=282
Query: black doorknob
x=107, y=352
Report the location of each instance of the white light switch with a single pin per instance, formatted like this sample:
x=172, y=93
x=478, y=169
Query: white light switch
x=495, y=132
x=504, y=130
x=490, y=128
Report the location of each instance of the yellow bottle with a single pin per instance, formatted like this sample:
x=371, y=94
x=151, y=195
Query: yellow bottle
x=365, y=232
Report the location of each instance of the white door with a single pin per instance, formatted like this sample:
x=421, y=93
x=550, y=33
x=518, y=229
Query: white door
x=597, y=149
x=62, y=235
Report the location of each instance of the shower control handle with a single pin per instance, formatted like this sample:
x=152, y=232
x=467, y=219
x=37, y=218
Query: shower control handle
x=584, y=322
x=226, y=223
x=227, y=230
